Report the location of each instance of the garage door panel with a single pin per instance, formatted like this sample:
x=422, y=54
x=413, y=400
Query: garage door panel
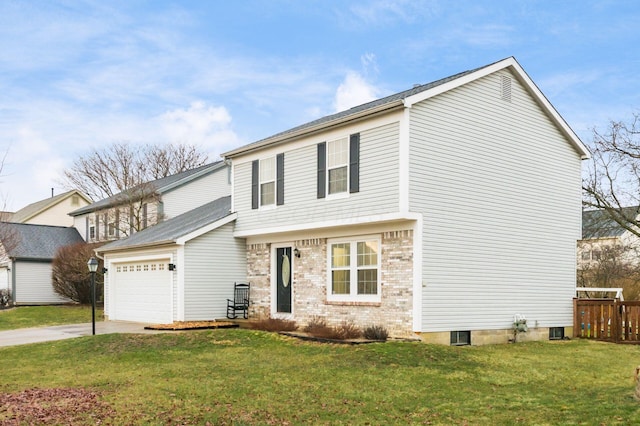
x=143, y=292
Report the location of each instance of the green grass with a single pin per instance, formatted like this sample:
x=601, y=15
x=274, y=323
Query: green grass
x=246, y=377
x=36, y=316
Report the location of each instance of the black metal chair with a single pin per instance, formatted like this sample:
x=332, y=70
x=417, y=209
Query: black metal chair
x=240, y=301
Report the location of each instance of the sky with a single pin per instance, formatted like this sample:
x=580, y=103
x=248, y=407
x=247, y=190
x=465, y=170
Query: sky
x=81, y=75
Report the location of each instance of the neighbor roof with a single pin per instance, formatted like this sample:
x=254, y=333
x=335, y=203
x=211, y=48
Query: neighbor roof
x=408, y=97
x=173, y=229
x=598, y=223
x=161, y=186
x=36, y=242
x=33, y=209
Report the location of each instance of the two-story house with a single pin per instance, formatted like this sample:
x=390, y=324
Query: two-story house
x=444, y=210
x=123, y=214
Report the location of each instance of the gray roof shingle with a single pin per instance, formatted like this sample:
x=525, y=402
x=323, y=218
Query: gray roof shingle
x=37, y=242
x=170, y=230
x=160, y=185
x=598, y=224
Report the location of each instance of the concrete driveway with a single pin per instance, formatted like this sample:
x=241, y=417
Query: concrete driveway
x=25, y=336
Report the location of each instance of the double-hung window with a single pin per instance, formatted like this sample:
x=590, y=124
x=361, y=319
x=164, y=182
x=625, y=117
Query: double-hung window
x=267, y=182
x=339, y=166
x=354, y=270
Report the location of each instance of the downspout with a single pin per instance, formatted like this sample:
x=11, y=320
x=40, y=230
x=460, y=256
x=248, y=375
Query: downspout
x=13, y=280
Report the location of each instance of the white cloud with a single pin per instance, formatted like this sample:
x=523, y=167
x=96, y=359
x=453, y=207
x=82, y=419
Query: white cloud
x=354, y=90
x=199, y=124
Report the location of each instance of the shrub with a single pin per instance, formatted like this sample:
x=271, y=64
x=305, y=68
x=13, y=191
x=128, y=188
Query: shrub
x=376, y=332
x=274, y=324
x=318, y=327
x=347, y=330
x=71, y=277
x=5, y=298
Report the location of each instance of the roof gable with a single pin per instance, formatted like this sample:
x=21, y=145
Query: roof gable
x=38, y=207
x=407, y=98
x=160, y=186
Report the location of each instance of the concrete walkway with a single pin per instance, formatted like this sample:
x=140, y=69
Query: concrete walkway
x=25, y=336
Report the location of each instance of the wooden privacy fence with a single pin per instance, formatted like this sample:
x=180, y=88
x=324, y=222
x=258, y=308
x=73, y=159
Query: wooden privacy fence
x=611, y=320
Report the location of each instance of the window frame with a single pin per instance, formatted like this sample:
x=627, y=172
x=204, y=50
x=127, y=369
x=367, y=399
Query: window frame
x=92, y=232
x=262, y=182
x=353, y=269
x=454, y=338
x=346, y=165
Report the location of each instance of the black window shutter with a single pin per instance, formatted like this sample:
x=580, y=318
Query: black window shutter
x=86, y=221
x=280, y=179
x=255, y=171
x=117, y=223
x=354, y=163
x=322, y=169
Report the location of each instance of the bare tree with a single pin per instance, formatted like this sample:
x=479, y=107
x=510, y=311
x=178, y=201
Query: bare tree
x=120, y=167
x=609, y=265
x=612, y=182
x=69, y=273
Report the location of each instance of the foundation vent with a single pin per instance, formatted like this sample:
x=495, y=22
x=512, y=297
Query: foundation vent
x=505, y=86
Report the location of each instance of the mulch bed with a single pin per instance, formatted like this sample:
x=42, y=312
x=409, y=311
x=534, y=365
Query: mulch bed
x=311, y=338
x=192, y=325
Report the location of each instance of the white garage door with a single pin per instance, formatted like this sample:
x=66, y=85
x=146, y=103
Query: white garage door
x=142, y=291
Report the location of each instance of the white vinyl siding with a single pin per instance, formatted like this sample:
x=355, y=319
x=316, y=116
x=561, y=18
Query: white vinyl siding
x=196, y=193
x=33, y=283
x=499, y=190
x=213, y=262
x=379, y=177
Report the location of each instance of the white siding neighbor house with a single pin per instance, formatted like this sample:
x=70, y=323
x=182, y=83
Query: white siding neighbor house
x=53, y=210
x=181, y=269
x=26, y=254
x=125, y=213
x=442, y=211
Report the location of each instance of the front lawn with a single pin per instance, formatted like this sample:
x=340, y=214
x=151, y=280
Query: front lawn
x=37, y=316
x=246, y=377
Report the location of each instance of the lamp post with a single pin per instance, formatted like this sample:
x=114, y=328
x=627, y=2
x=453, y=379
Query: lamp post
x=93, y=267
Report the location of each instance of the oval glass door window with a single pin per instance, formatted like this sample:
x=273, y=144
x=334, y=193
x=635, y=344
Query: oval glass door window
x=286, y=270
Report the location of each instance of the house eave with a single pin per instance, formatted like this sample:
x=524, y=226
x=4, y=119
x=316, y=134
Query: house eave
x=331, y=224
x=283, y=138
x=154, y=244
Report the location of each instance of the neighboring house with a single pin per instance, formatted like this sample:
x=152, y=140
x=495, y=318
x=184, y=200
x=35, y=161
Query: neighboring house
x=51, y=211
x=608, y=254
x=125, y=213
x=178, y=270
x=26, y=253
x=443, y=210
x=600, y=233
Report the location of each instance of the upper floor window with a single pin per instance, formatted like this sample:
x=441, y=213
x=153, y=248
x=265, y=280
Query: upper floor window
x=92, y=232
x=354, y=267
x=267, y=182
x=339, y=166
